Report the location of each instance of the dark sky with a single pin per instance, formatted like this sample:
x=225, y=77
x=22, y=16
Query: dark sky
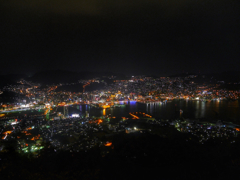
x=134, y=37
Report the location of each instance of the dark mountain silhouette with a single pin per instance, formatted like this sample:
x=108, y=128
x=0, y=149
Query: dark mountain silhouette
x=10, y=79
x=57, y=76
x=62, y=76
x=228, y=76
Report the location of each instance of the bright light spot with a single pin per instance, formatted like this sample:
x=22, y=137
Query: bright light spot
x=108, y=144
x=75, y=115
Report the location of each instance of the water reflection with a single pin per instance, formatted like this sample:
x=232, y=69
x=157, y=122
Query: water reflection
x=191, y=109
x=203, y=106
x=121, y=102
x=151, y=108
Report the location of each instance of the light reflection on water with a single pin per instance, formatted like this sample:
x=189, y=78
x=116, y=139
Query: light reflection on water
x=170, y=110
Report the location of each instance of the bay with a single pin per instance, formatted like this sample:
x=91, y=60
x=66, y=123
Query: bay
x=213, y=110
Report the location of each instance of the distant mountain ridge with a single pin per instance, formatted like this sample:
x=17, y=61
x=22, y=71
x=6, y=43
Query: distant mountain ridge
x=227, y=76
x=62, y=76
x=10, y=79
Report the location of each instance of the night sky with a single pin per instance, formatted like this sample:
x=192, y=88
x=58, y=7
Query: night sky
x=159, y=37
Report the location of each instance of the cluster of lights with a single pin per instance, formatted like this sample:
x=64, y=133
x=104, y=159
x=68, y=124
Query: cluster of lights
x=108, y=144
x=33, y=148
x=134, y=116
x=147, y=115
x=98, y=121
x=6, y=134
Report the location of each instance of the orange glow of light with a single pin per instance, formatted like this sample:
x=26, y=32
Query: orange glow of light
x=61, y=104
x=134, y=116
x=104, y=112
x=47, y=110
x=1, y=115
x=28, y=134
x=26, y=144
x=98, y=121
x=105, y=106
x=18, y=137
x=7, y=132
x=29, y=128
x=108, y=144
x=237, y=129
x=36, y=137
x=148, y=115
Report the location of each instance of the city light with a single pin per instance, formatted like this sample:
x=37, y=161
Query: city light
x=75, y=115
x=108, y=144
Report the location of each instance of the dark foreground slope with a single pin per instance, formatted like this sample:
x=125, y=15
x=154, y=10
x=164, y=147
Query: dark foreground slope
x=133, y=156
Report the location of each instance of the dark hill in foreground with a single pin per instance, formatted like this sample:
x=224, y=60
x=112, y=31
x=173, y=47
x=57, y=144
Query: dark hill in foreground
x=133, y=156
